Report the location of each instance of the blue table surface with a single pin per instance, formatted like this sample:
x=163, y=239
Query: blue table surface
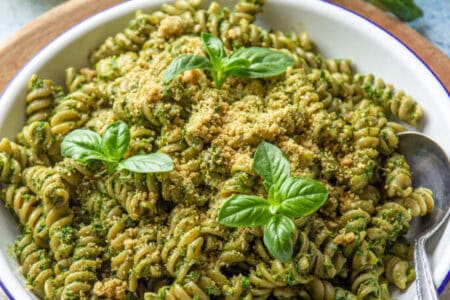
x=435, y=26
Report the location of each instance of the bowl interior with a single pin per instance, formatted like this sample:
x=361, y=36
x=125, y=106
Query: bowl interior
x=337, y=33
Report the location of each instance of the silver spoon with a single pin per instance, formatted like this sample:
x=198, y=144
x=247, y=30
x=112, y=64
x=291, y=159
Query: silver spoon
x=430, y=167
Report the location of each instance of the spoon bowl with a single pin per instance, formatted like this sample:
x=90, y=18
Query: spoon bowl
x=430, y=167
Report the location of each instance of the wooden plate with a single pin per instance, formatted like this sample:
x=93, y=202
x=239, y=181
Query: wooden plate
x=28, y=40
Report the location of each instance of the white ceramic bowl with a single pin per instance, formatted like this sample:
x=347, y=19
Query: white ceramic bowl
x=337, y=32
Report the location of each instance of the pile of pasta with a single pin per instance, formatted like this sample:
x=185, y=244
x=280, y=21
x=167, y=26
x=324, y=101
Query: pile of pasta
x=87, y=233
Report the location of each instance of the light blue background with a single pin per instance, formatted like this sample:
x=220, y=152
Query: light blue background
x=435, y=24
x=16, y=13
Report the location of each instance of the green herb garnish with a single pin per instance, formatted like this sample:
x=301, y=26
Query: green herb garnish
x=288, y=197
x=86, y=145
x=405, y=10
x=253, y=62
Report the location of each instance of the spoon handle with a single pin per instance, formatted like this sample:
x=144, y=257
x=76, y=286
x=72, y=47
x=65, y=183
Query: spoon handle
x=424, y=281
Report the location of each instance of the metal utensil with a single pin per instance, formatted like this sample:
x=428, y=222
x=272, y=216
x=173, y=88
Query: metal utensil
x=431, y=168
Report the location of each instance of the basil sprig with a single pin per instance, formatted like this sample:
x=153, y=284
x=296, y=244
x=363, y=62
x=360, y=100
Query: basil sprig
x=288, y=197
x=253, y=62
x=405, y=10
x=85, y=145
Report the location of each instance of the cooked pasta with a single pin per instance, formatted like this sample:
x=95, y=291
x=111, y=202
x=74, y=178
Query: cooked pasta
x=36, y=266
x=89, y=232
x=40, y=99
x=22, y=154
x=86, y=261
x=10, y=169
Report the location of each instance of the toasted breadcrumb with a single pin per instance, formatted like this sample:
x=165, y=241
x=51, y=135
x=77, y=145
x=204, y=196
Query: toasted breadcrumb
x=110, y=289
x=170, y=27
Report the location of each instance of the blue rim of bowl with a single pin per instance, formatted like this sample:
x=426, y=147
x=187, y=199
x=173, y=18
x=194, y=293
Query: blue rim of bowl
x=444, y=283
x=447, y=277
x=8, y=294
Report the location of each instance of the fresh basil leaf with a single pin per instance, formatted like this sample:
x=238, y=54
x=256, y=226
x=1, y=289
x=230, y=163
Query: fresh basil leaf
x=405, y=10
x=301, y=197
x=115, y=140
x=213, y=46
x=235, y=64
x=244, y=210
x=184, y=63
x=82, y=145
x=270, y=164
x=278, y=235
x=147, y=163
x=264, y=62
